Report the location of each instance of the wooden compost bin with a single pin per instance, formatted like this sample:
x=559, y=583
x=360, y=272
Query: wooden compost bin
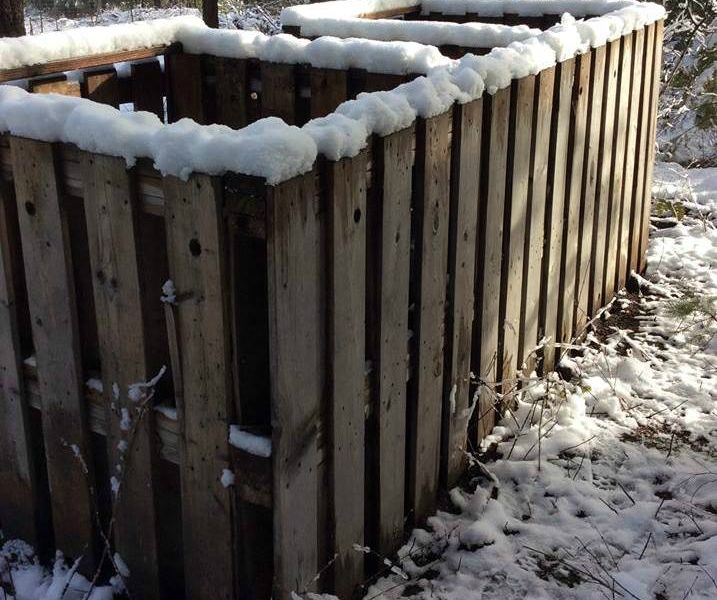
x=341, y=313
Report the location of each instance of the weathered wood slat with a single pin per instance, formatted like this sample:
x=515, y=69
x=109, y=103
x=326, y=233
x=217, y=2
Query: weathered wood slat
x=232, y=92
x=431, y=217
x=196, y=250
x=51, y=294
x=296, y=331
x=102, y=86
x=465, y=175
x=535, y=219
x=602, y=192
x=514, y=227
x=559, y=155
x=346, y=203
x=278, y=91
x=615, y=209
x=18, y=476
x=390, y=208
x=111, y=211
x=148, y=87
x=185, y=97
x=58, y=84
x=589, y=188
x=496, y=111
x=572, y=225
x=329, y=88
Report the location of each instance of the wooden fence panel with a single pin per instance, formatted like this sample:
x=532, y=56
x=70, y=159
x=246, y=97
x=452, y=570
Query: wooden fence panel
x=602, y=198
x=514, y=227
x=148, y=87
x=111, y=211
x=296, y=328
x=184, y=87
x=535, y=219
x=329, y=88
x=57, y=84
x=196, y=250
x=465, y=180
x=51, y=294
x=622, y=106
x=559, y=152
x=431, y=199
x=278, y=91
x=232, y=92
x=590, y=184
x=572, y=226
x=102, y=86
x=346, y=199
x=390, y=207
x=488, y=262
x=18, y=475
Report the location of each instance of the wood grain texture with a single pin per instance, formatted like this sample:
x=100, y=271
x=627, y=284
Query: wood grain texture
x=572, y=224
x=431, y=194
x=590, y=183
x=514, y=227
x=19, y=502
x=535, y=219
x=196, y=251
x=346, y=213
x=329, y=88
x=278, y=91
x=57, y=84
x=148, y=88
x=296, y=331
x=102, y=86
x=112, y=211
x=232, y=92
x=51, y=296
x=390, y=207
x=558, y=158
x=465, y=175
x=185, y=97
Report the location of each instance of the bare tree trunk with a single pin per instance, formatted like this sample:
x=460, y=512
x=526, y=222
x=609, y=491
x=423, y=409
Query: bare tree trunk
x=12, y=20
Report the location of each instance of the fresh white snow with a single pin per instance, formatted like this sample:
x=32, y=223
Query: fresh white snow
x=258, y=445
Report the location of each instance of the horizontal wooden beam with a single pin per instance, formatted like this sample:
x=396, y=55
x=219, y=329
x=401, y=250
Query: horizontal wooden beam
x=81, y=62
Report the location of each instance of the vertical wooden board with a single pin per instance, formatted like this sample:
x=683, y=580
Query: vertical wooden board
x=346, y=247
x=101, y=86
x=196, y=250
x=57, y=84
x=489, y=254
x=572, y=226
x=465, y=175
x=634, y=164
x=514, y=226
x=602, y=191
x=111, y=211
x=18, y=475
x=148, y=87
x=651, y=139
x=589, y=187
x=632, y=116
x=379, y=82
x=431, y=209
x=535, y=218
x=184, y=87
x=643, y=210
x=622, y=105
x=232, y=91
x=51, y=297
x=294, y=258
x=558, y=157
x=391, y=200
x=278, y=91
x=329, y=88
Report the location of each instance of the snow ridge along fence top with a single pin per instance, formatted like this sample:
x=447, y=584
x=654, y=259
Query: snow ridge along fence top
x=320, y=239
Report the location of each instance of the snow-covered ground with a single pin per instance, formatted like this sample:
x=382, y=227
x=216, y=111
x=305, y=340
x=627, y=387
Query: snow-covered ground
x=605, y=483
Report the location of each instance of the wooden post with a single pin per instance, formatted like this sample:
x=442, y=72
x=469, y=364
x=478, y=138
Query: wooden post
x=148, y=87
x=346, y=204
x=296, y=331
x=111, y=212
x=389, y=245
x=102, y=86
x=210, y=13
x=329, y=88
x=51, y=294
x=278, y=91
x=18, y=475
x=465, y=180
x=232, y=92
x=196, y=250
x=431, y=219
x=184, y=87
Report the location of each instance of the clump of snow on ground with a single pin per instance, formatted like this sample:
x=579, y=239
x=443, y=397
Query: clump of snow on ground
x=605, y=483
